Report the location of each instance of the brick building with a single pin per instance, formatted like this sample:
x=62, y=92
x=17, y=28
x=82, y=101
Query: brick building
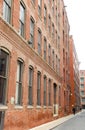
x=82, y=88
x=34, y=63
x=74, y=77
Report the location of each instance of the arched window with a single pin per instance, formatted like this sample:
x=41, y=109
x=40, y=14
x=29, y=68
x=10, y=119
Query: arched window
x=39, y=41
x=30, y=86
x=22, y=19
x=45, y=90
x=18, y=95
x=32, y=22
x=3, y=75
x=38, y=88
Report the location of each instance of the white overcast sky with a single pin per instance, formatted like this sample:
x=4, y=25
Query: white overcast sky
x=76, y=16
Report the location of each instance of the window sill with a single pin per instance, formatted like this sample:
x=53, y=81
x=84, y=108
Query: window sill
x=54, y=115
x=3, y=107
x=45, y=107
x=30, y=107
x=39, y=107
x=18, y=107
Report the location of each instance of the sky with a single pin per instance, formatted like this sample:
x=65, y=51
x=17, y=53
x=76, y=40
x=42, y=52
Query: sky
x=76, y=16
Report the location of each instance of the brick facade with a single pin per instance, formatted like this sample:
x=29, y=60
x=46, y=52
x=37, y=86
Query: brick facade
x=74, y=77
x=24, y=116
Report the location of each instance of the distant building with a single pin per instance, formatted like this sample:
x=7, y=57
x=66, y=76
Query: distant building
x=82, y=88
x=74, y=76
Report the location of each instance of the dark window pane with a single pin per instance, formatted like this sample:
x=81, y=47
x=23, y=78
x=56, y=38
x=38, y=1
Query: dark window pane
x=45, y=85
x=1, y=119
x=30, y=89
x=2, y=90
x=3, y=63
x=3, y=75
x=38, y=88
x=31, y=33
x=39, y=42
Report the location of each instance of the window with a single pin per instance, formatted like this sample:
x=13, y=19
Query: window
x=59, y=96
x=7, y=10
x=55, y=93
x=63, y=36
x=59, y=21
x=52, y=7
x=22, y=19
x=39, y=41
x=81, y=79
x=39, y=7
x=30, y=89
x=45, y=48
x=31, y=42
x=81, y=86
x=56, y=16
x=3, y=75
x=18, y=96
x=1, y=119
x=53, y=59
x=45, y=87
x=53, y=31
x=64, y=75
x=49, y=55
x=45, y=15
x=56, y=63
x=56, y=39
x=82, y=93
x=38, y=88
x=83, y=100
x=58, y=66
x=58, y=44
x=49, y=92
x=49, y=24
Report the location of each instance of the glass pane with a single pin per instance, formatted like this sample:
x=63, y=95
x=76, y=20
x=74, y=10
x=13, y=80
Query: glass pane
x=18, y=93
x=6, y=12
x=8, y=2
x=19, y=71
x=30, y=76
x=2, y=90
x=30, y=95
x=22, y=13
x=1, y=119
x=38, y=81
x=31, y=27
x=3, y=63
x=21, y=29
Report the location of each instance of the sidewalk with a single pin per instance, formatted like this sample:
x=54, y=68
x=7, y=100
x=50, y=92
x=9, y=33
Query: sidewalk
x=50, y=125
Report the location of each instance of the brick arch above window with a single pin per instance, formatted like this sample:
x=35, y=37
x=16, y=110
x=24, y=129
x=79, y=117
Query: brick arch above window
x=5, y=49
x=31, y=67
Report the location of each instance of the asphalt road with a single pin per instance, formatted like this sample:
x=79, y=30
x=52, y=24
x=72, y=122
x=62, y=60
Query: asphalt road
x=76, y=123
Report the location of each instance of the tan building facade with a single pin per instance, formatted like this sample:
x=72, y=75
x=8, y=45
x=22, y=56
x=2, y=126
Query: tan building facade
x=82, y=88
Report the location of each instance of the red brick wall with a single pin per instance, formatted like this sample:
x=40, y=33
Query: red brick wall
x=25, y=117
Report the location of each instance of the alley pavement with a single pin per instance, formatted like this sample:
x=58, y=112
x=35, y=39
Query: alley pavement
x=76, y=123
x=55, y=123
